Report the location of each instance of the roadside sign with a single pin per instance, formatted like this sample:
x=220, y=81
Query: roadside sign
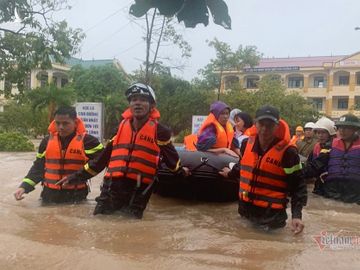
x=197, y=121
x=92, y=114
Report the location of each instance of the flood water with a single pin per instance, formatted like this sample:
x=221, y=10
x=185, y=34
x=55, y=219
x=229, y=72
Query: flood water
x=173, y=234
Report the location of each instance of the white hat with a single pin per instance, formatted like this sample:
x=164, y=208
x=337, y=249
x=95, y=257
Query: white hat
x=310, y=125
x=327, y=124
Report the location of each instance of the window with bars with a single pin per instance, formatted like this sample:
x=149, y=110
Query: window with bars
x=343, y=103
x=319, y=82
x=296, y=82
x=318, y=103
x=251, y=82
x=357, y=103
x=344, y=80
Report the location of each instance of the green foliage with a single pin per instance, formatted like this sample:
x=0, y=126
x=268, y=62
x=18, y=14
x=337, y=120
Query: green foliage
x=96, y=83
x=180, y=137
x=190, y=12
x=114, y=106
x=22, y=118
x=50, y=97
x=177, y=101
x=226, y=59
x=102, y=84
x=15, y=142
x=37, y=39
x=160, y=31
x=294, y=108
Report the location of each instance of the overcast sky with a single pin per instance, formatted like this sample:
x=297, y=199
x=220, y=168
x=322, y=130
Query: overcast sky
x=279, y=28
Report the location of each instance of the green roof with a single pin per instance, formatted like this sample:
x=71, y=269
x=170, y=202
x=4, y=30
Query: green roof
x=88, y=63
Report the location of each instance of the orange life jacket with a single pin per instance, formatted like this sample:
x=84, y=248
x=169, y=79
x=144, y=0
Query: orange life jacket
x=59, y=163
x=224, y=136
x=295, y=138
x=190, y=142
x=135, y=155
x=262, y=179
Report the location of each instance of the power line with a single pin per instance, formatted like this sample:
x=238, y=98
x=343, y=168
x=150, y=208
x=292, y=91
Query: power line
x=128, y=49
x=104, y=39
x=107, y=17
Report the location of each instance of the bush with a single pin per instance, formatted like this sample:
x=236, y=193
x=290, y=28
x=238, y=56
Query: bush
x=15, y=142
x=180, y=137
x=22, y=119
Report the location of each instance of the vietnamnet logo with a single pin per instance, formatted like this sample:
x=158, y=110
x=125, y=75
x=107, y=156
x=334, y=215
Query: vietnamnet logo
x=337, y=240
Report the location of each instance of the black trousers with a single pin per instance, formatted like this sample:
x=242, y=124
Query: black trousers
x=346, y=190
x=49, y=195
x=125, y=195
x=264, y=217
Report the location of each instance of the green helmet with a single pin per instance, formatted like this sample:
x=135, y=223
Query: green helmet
x=348, y=120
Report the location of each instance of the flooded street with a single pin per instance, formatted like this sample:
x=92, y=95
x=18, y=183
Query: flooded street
x=173, y=234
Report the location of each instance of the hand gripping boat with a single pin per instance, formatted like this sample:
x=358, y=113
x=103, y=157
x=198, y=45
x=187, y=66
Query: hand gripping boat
x=204, y=183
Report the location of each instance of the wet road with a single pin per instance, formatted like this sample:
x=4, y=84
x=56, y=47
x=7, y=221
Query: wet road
x=173, y=234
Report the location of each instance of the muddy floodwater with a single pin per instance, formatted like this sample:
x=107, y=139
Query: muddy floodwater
x=174, y=234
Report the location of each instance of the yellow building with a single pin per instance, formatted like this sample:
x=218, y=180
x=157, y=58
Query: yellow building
x=57, y=74
x=331, y=83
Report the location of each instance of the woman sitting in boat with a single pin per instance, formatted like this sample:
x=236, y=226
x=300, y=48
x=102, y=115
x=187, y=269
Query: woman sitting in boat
x=242, y=122
x=216, y=133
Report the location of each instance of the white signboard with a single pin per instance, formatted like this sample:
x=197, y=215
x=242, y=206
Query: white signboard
x=92, y=115
x=197, y=121
x=350, y=62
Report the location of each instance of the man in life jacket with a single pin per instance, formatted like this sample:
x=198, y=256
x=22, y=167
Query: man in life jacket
x=132, y=157
x=216, y=134
x=64, y=151
x=299, y=135
x=342, y=179
x=270, y=170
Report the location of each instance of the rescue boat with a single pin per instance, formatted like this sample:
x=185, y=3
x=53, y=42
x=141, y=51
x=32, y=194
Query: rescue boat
x=204, y=183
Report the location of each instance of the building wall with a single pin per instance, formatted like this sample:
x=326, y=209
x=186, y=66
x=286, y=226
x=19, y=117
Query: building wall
x=341, y=84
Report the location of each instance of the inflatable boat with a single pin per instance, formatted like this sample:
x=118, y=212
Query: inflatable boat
x=204, y=183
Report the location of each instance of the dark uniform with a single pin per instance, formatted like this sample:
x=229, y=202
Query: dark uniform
x=317, y=164
x=126, y=194
x=93, y=148
x=276, y=218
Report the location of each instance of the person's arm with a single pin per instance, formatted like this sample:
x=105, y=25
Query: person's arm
x=91, y=168
x=93, y=148
x=296, y=186
x=206, y=139
x=234, y=172
x=167, y=150
x=235, y=146
x=316, y=166
x=36, y=172
x=223, y=151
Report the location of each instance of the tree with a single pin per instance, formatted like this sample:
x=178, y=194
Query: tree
x=159, y=32
x=177, y=102
x=190, y=12
x=22, y=118
x=29, y=37
x=50, y=97
x=295, y=109
x=104, y=84
x=226, y=59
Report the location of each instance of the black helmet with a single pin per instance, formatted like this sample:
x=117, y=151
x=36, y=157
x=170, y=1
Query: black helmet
x=141, y=89
x=348, y=120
